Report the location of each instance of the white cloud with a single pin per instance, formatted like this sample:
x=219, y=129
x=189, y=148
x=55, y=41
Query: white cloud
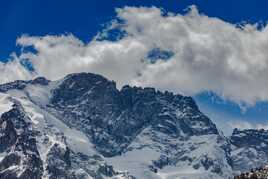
x=209, y=54
x=13, y=70
x=240, y=124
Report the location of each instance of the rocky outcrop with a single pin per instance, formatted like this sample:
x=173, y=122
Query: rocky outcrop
x=113, y=118
x=17, y=140
x=249, y=149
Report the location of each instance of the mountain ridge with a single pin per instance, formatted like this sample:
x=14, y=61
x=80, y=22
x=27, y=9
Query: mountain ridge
x=84, y=127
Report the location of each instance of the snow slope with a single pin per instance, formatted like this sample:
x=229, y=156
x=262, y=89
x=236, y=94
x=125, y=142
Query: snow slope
x=5, y=103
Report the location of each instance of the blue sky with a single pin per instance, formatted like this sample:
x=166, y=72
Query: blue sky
x=84, y=18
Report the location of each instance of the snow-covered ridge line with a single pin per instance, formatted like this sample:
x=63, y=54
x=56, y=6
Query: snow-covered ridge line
x=83, y=126
x=52, y=132
x=5, y=103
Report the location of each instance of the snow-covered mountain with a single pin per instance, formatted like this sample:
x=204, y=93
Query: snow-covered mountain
x=83, y=127
x=249, y=149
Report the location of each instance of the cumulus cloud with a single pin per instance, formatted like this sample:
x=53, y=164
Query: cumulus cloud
x=208, y=54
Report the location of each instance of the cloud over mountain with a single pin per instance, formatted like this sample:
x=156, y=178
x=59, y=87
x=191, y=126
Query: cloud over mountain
x=208, y=54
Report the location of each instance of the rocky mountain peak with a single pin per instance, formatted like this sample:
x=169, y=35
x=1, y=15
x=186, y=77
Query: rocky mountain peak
x=78, y=85
x=249, y=149
x=113, y=118
x=21, y=84
x=250, y=138
x=82, y=126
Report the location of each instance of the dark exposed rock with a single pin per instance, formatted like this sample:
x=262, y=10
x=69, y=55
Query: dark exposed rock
x=17, y=139
x=113, y=118
x=58, y=163
x=250, y=149
x=250, y=138
x=21, y=84
x=40, y=81
x=8, y=135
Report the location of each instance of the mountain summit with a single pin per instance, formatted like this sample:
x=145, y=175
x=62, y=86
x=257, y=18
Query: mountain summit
x=83, y=127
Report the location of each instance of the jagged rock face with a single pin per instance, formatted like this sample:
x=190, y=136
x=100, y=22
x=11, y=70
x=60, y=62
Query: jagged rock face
x=20, y=84
x=113, y=118
x=22, y=160
x=249, y=149
x=63, y=163
x=250, y=138
x=29, y=150
x=84, y=127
